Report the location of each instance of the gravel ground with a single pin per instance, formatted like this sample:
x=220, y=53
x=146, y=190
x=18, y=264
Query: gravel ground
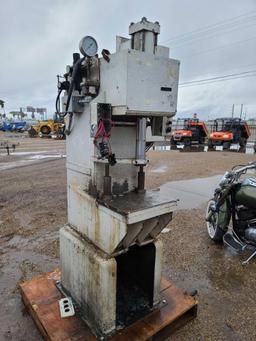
x=226, y=289
x=33, y=208
x=175, y=165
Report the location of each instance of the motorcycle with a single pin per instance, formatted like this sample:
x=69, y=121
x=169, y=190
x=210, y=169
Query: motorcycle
x=231, y=213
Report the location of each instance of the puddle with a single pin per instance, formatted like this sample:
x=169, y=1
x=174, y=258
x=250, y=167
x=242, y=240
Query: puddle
x=159, y=148
x=27, y=153
x=19, y=265
x=46, y=156
x=249, y=149
x=191, y=193
x=29, y=160
x=21, y=259
x=14, y=164
x=160, y=169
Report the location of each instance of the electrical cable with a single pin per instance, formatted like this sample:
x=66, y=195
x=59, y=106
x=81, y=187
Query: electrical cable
x=215, y=26
x=74, y=72
x=70, y=90
x=239, y=67
x=102, y=133
x=220, y=47
x=57, y=102
x=217, y=81
x=212, y=79
x=68, y=130
x=104, y=146
x=208, y=36
x=199, y=30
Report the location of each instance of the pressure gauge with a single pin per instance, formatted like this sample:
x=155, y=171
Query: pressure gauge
x=88, y=46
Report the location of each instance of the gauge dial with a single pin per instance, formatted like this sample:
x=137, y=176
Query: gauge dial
x=88, y=46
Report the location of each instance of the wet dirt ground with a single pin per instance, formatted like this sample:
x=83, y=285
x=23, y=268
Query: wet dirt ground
x=33, y=208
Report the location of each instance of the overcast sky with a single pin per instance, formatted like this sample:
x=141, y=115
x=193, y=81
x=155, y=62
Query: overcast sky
x=210, y=38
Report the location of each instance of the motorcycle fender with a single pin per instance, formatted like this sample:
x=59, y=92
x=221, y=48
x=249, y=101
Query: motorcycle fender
x=224, y=215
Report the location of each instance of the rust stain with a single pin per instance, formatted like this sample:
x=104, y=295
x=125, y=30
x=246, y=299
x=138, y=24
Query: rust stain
x=97, y=225
x=115, y=226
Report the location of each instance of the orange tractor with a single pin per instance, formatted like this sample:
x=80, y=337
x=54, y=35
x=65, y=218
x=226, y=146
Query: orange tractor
x=192, y=132
x=227, y=132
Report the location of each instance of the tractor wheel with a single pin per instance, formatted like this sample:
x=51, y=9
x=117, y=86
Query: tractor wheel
x=186, y=142
x=242, y=142
x=32, y=132
x=173, y=144
x=201, y=140
x=45, y=130
x=226, y=145
x=210, y=145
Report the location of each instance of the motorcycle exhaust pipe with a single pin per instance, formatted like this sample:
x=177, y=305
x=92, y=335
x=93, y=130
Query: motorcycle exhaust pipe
x=250, y=234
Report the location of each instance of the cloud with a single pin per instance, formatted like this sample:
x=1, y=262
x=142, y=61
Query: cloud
x=38, y=38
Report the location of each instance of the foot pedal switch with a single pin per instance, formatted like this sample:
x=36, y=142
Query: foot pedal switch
x=66, y=307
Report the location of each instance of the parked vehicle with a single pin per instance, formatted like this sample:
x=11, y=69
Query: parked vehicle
x=18, y=126
x=231, y=213
x=193, y=132
x=47, y=128
x=228, y=131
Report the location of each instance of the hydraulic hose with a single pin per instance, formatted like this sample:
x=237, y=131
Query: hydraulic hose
x=68, y=130
x=73, y=77
x=57, y=103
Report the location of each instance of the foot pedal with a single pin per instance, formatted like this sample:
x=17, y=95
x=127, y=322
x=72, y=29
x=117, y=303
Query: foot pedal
x=66, y=307
x=234, y=243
